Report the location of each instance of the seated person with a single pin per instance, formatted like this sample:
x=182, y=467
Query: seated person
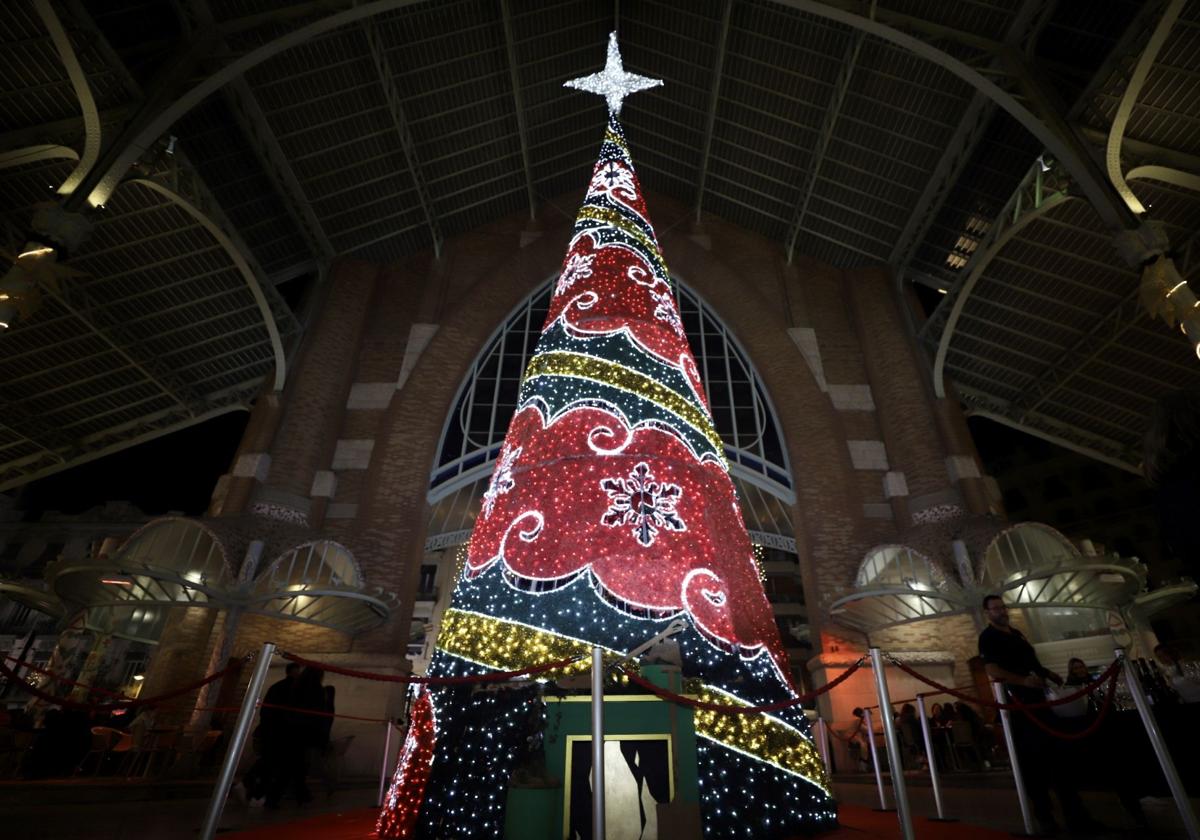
x=1182, y=673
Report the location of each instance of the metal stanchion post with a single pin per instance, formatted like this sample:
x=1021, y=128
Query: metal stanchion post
x=875, y=759
x=383, y=769
x=1006, y=723
x=1161, y=752
x=822, y=735
x=931, y=759
x=598, y=743
x=241, y=730
x=895, y=760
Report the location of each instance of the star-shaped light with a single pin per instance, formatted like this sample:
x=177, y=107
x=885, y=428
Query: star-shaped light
x=613, y=83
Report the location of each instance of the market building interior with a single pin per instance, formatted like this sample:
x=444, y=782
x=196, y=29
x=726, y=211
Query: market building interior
x=271, y=273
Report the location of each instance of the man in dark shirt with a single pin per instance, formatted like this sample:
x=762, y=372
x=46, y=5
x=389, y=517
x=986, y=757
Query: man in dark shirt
x=1011, y=659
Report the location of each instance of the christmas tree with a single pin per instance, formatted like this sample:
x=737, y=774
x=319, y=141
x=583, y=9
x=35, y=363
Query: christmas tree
x=610, y=512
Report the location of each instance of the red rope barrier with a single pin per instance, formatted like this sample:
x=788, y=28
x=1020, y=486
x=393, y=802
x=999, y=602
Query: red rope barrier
x=494, y=676
x=1014, y=706
x=297, y=709
x=107, y=707
x=681, y=700
x=1077, y=736
x=318, y=713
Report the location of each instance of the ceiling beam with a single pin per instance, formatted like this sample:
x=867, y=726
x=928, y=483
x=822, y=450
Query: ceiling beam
x=59, y=130
x=1039, y=192
x=1026, y=26
x=1043, y=120
x=132, y=141
x=198, y=201
x=108, y=328
x=126, y=435
x=518, y=105
x=274, y=162
x=34, y=430
x=833, y=109
x=159, y=111
x=195, y=16
x=714, y=95
x=1151, y=153
x=1066, y=435
x=391, y=95
x=1106, y=332
x=969, y=132
x=1133, y=88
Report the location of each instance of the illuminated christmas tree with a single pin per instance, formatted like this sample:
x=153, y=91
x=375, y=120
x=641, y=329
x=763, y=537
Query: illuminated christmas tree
x=610, y=512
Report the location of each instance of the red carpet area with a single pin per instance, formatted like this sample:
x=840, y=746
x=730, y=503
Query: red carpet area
x=857, y=824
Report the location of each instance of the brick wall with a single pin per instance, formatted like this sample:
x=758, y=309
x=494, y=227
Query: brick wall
x=320, y=379
x=365, y=331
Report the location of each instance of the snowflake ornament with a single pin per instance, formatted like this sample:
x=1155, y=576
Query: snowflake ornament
x=642, y=502
x=578, y=267
x=610, y=179
x=502, y=479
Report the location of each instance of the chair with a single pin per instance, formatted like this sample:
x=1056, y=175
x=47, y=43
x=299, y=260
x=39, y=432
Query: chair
x=962, y=740
x=103, y=740
x=190, y=752
x=158, y=745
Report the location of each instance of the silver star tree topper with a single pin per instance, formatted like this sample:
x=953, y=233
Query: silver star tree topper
x=613, y=83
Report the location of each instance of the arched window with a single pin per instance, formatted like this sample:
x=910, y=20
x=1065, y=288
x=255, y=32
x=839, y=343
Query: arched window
x=897, y=585
x=899, y=565
x=486, y=401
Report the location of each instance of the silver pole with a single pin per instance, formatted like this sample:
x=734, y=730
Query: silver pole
x=383, y=767
x=1160, y=750
x=237, y=743
x=598, y=743
x=931, y=759
x=1006, y=724
x=895, y=760
x=875, y=760
x=823, y=744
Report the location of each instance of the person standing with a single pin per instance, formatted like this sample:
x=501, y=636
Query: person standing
x=300, y=732
x=1011, y=659
x=268, y=739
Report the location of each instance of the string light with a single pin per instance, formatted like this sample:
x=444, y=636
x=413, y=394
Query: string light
x=611, y=512
x=407, y=790
x=760, y=736
x=613, y=83
x=507, y=645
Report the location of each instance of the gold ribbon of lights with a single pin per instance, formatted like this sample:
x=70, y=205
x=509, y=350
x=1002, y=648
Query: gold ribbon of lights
x=564, y=363
x=508, y=646
x=618, y=220
x=760, y=736
x=611, y=136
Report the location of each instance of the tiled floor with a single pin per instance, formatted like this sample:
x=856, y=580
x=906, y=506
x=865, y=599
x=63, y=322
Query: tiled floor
x=985, y=806
x=176, y=819
x=997, y=807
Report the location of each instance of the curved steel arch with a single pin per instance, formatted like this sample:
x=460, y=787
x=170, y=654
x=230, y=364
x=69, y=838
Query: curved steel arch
x=33, y=154
x=83, y=92
x=1177, y=177
x=1116, y=132
x=268, y=570
x=1107, y=205
x=239, y=260
x=167, y=117
x=975, y=271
